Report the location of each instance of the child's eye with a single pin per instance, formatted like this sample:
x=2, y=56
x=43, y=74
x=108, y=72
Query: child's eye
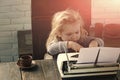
x=77, y=32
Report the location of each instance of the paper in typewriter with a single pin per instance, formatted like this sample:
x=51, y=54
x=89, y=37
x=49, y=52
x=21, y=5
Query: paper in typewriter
x=109, y=54
x=106, y=55
x=87, y=55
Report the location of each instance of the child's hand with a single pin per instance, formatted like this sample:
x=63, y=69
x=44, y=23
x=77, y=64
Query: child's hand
x=73, y=45
x=93, y=44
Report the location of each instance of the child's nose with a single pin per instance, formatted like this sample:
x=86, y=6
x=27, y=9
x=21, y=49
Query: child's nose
x=74, y=36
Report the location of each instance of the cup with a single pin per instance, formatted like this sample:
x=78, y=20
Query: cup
x=25, y=61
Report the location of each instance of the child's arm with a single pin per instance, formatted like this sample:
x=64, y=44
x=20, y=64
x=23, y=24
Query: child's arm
x=74, y=45
x=63, y=46
x=57, y=47
x=100, y=42
x=97, y=42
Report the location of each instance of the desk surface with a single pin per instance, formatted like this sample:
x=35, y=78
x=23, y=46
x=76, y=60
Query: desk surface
x=45, y=70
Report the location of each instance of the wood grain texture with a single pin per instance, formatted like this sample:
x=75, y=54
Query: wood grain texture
x=50, y=70
x=35, y=74
x=9, y=71
x=45, y=70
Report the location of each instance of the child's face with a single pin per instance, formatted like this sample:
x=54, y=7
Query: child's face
x=71, y=32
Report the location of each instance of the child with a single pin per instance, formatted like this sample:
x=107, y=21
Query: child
x=68, y=34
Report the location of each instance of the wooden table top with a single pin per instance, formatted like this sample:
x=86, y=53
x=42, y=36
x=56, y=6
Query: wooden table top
x=44, y=70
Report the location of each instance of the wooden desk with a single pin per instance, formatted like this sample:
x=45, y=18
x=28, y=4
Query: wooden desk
x=45, y=70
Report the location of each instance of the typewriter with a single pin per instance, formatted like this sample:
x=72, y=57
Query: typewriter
x=68, y=67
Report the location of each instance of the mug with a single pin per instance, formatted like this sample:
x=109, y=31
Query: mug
x=25, y=61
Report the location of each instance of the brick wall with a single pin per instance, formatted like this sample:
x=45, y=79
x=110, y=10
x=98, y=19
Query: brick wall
x=105, y=11
x=14, y=15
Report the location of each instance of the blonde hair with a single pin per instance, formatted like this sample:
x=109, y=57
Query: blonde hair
x=61, y=18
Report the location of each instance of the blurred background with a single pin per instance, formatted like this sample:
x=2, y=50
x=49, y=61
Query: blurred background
x=25, y=24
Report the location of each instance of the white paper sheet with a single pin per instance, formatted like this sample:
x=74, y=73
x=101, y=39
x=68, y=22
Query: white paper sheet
x=106, y=55
x=87, y=55
x=109, y=54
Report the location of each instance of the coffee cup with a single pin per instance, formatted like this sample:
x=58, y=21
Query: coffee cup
x=25, y=61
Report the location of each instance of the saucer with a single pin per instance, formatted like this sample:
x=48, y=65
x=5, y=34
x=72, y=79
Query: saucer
x=29, y=67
